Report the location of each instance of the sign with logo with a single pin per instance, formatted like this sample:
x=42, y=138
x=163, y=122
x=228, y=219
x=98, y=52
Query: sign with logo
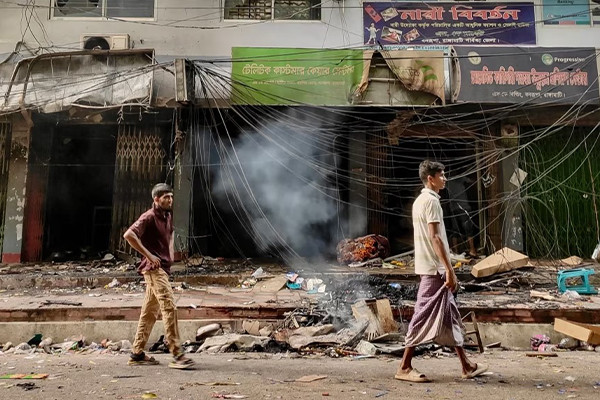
x=528, y=75
x=566, y=12
x=440, y=23
x=274, y=76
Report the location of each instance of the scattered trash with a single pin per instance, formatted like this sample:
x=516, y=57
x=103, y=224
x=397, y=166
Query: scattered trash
x=149, y=395
x=570, y=295
x=547, y=348
x=207, y=331
x=159, y=346
x=310, y=378
x=24, y=376
x=568, y=343
x=108, y=257
x=260, y=274
x=23, y=347
x=114, y=283
x=366, y=348
x=537, y=340
x=35, y=340
x=28, y=386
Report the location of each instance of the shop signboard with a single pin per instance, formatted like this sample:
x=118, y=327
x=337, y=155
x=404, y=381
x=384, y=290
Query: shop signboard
x=448, y=23
x=527, y=75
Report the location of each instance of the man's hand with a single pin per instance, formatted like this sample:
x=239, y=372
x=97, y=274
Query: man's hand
x=154, y=261
x=451, y=281
x=136, y=243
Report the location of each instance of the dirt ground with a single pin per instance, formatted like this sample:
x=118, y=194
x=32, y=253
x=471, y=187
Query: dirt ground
x=512, y=375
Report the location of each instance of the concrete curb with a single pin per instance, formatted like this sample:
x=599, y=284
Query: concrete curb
x=513, y=336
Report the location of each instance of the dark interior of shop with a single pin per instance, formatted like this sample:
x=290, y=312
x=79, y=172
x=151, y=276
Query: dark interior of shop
x=80, y=192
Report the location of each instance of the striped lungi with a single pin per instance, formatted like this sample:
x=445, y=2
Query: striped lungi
x=436, y=317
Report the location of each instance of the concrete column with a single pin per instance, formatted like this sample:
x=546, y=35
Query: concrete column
x=15, y=193
x=182, y=187
x=512, y=227
x=357, y=211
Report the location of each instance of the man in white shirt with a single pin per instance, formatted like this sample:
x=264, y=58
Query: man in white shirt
x=436, y=317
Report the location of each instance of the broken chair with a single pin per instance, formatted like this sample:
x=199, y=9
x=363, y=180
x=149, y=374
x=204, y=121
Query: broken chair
x=475, y=330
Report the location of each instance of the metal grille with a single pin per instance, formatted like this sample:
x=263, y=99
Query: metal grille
x=377, y=167
x=4, y=160
x=248, y=9
x=139, y=165
x=277, y=9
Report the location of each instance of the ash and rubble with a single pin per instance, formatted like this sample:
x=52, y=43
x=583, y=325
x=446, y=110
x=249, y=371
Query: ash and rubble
x=340, y=319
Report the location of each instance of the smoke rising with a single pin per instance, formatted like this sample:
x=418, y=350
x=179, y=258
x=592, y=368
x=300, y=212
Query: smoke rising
x=280, y=180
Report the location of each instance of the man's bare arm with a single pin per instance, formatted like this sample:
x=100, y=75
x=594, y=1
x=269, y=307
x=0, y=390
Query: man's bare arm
x=440, y=250
x=135, y=242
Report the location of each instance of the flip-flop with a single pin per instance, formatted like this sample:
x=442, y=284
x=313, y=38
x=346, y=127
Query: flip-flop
x=480, y=369
x=412, y=376
x=182, y=363
x=146, y=360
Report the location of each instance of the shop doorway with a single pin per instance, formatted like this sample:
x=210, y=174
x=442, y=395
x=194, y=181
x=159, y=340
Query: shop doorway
x=79, y=192
x=403, y=186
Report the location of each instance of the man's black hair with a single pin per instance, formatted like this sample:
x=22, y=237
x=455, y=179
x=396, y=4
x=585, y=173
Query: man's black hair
x=160, y=189
x=429, y=168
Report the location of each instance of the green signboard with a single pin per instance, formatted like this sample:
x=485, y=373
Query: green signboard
x=274, y=76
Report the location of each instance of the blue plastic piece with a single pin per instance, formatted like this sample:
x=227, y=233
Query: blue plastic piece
x=583, y=273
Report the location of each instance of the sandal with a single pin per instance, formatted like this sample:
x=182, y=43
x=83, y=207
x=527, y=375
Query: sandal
x=182, y=362
x=479, y=369
x=413, y=376
x=142, y=359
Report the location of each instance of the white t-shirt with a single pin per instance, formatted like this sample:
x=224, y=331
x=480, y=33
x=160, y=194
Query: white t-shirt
x=427, y=209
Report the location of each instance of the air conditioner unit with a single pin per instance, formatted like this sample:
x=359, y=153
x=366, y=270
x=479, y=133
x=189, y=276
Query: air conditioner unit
x=105, y=42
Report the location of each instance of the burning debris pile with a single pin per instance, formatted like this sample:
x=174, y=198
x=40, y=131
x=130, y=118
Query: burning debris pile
x=368, y=250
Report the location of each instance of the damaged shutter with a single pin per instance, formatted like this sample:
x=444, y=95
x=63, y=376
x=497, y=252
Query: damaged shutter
x=139, y=166
x=4, y=159
x=377, y=173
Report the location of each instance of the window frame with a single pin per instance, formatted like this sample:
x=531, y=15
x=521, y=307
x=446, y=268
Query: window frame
x=272, y=19
x=103, y=17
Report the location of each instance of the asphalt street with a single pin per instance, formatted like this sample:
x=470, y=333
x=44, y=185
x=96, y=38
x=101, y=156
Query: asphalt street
x=511, y=375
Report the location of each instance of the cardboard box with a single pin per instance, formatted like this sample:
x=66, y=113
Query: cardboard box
x=584, y=332
x=501, y=261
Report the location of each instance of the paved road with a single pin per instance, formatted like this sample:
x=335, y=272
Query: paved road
x=271, y=376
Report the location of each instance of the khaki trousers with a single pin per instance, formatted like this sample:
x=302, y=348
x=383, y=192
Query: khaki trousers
x=159, y=296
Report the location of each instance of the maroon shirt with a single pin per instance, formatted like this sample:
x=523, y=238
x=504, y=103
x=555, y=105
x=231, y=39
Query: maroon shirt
x=154, y=228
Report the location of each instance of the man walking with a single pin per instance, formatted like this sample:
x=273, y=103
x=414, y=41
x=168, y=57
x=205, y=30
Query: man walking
x=436, y=317
x=152, y=236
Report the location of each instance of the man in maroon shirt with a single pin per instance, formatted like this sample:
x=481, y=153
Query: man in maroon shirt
x=152, y=236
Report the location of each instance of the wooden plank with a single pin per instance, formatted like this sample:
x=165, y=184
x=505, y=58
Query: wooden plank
x=362, y=312
x=385, y=316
